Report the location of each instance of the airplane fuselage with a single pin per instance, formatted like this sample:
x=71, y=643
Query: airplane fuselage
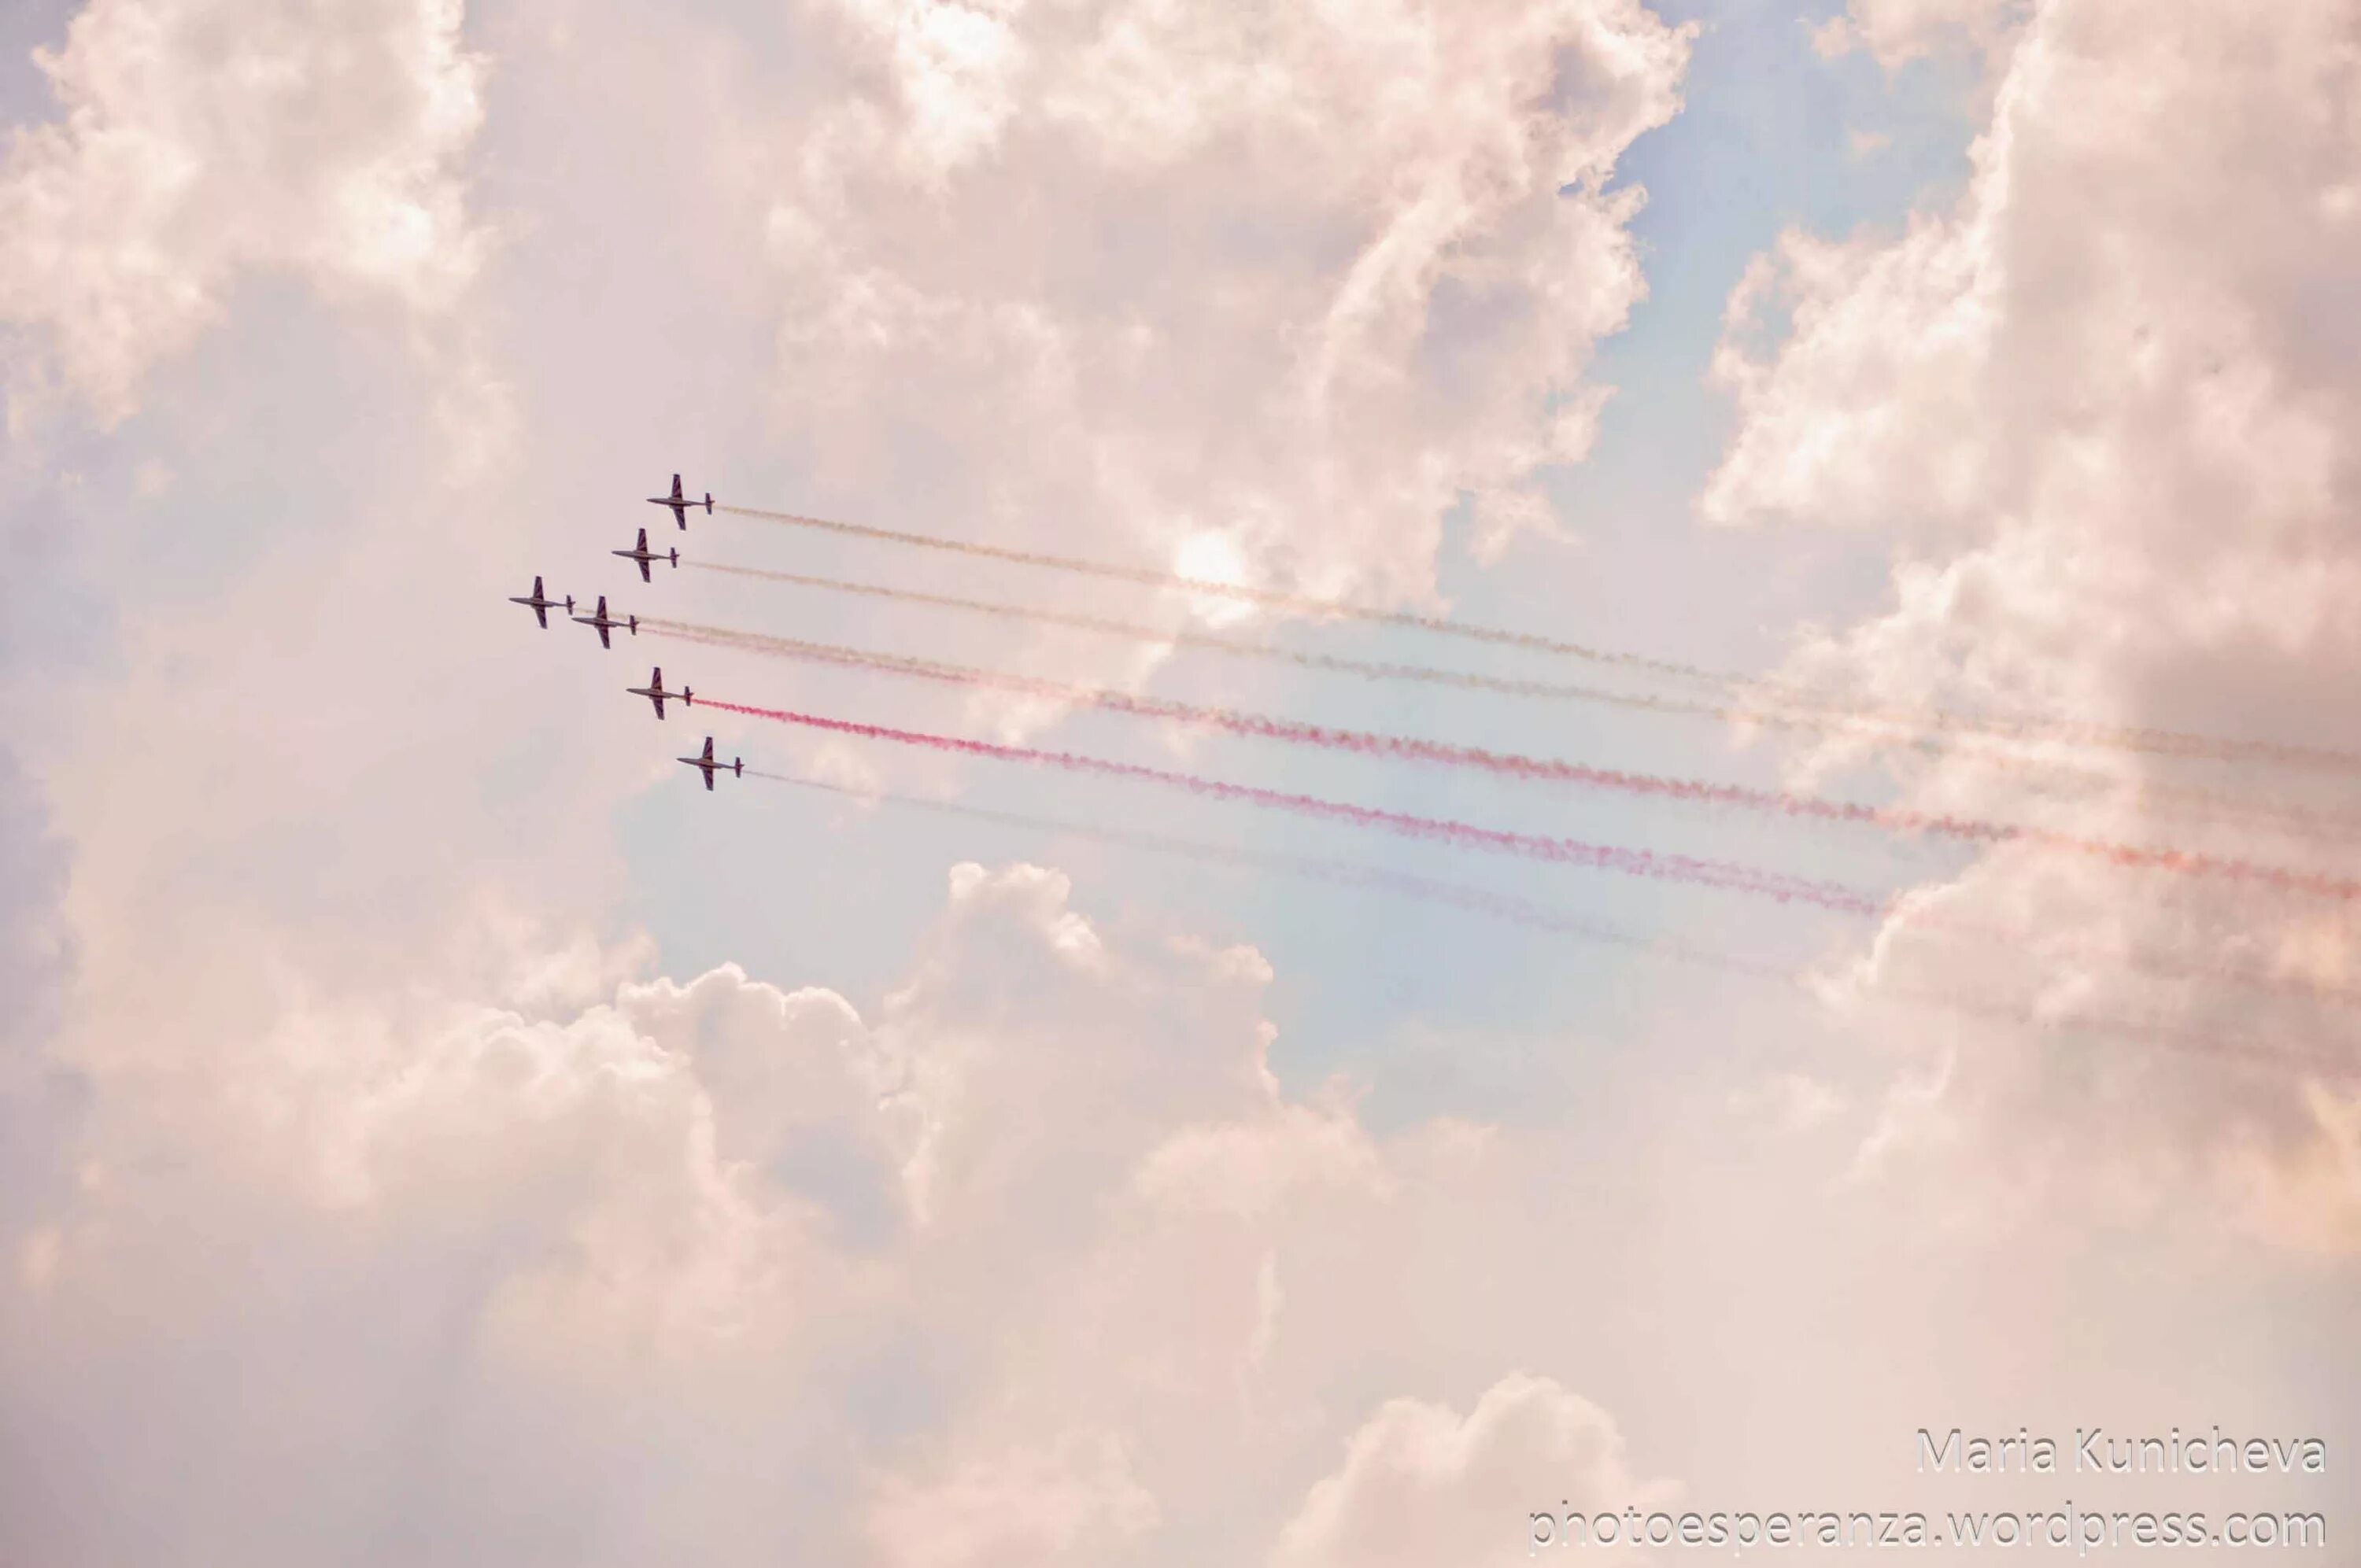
x=644, y=557
x=605, y=624
x=540, y=607
x=707, y=765
x=681, y=503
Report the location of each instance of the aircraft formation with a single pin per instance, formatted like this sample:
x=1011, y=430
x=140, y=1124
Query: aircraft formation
x=2054, y=756
x=607, y=625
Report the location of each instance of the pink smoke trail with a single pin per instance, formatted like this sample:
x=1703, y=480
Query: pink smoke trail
x=1531, y=916
x=1686, y=869
x=1514, y=765
x=2046, y=775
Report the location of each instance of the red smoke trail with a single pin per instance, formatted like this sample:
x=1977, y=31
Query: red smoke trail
x=2148, y=962
x=2134, y=738
x=1513, y=765
x=1539, y=917
x=1565, y=851
x=2203, y=803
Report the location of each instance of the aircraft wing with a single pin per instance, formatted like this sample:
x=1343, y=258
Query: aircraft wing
x=708, y=778
x=643, y=570
x=541, y=613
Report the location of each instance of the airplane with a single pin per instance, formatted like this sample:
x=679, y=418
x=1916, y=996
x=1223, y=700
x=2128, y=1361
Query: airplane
x=680, y=504
x=643, y=555
x=736, y=765
x=540, y=607
x=607, y=623
x=653, y=691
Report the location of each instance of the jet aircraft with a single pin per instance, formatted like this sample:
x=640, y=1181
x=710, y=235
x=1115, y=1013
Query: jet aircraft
x=680, y=503
x=642, y=554
x=540, y=605
x=607, y=623
x=654, y=692
x=736, y=765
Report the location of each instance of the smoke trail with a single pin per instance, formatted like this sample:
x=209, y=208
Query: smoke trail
x=1346, y=873
x=1370, y=669
x=1513, y=765
x=1686, y=869
x=1271, y=598
x=2145, y=1032
x=1845, y=899
x=2200, y=802
x=2135, y=737
x=1535, y=916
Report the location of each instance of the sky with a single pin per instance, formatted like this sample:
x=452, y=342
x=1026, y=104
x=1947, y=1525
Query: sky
x=433, y=1129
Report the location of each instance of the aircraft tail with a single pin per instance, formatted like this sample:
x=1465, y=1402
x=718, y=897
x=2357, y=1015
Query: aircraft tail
x=738, y=767
x=708, y=504
x=635, y=626
x=688, y=697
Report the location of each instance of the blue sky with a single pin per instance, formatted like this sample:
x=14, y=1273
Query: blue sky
x=440, y=1130
x=1766, y=142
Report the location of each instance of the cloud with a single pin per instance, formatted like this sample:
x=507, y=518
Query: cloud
x=202, y=142
x=41, y=1097
x=2103, y=415
x=1074, y=1503
x=1284, y=281
x=1422, y=1484
x=986, y=1275
x=419, y=1207
x=1896, y=32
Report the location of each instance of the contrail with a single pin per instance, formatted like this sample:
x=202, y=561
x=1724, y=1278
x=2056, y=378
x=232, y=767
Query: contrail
x=2198, y=802
x=1721, y=874
x=2162, y=743
x=1545, y=769
x=1531, y=916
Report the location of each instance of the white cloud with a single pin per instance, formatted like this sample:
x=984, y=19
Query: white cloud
x=203, y=141
x=1296, y=279
x=2107, y=413
x=1045, y=1199
x=409, y=1219
x=1421, y=1485
x=1899, y=31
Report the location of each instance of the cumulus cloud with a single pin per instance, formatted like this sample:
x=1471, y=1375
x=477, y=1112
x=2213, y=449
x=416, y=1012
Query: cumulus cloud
x=2106, y=416
x=988, y=1274
x=202, y=141
x=420, y=1212
x=1422, y=1484
x=1159, y=280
